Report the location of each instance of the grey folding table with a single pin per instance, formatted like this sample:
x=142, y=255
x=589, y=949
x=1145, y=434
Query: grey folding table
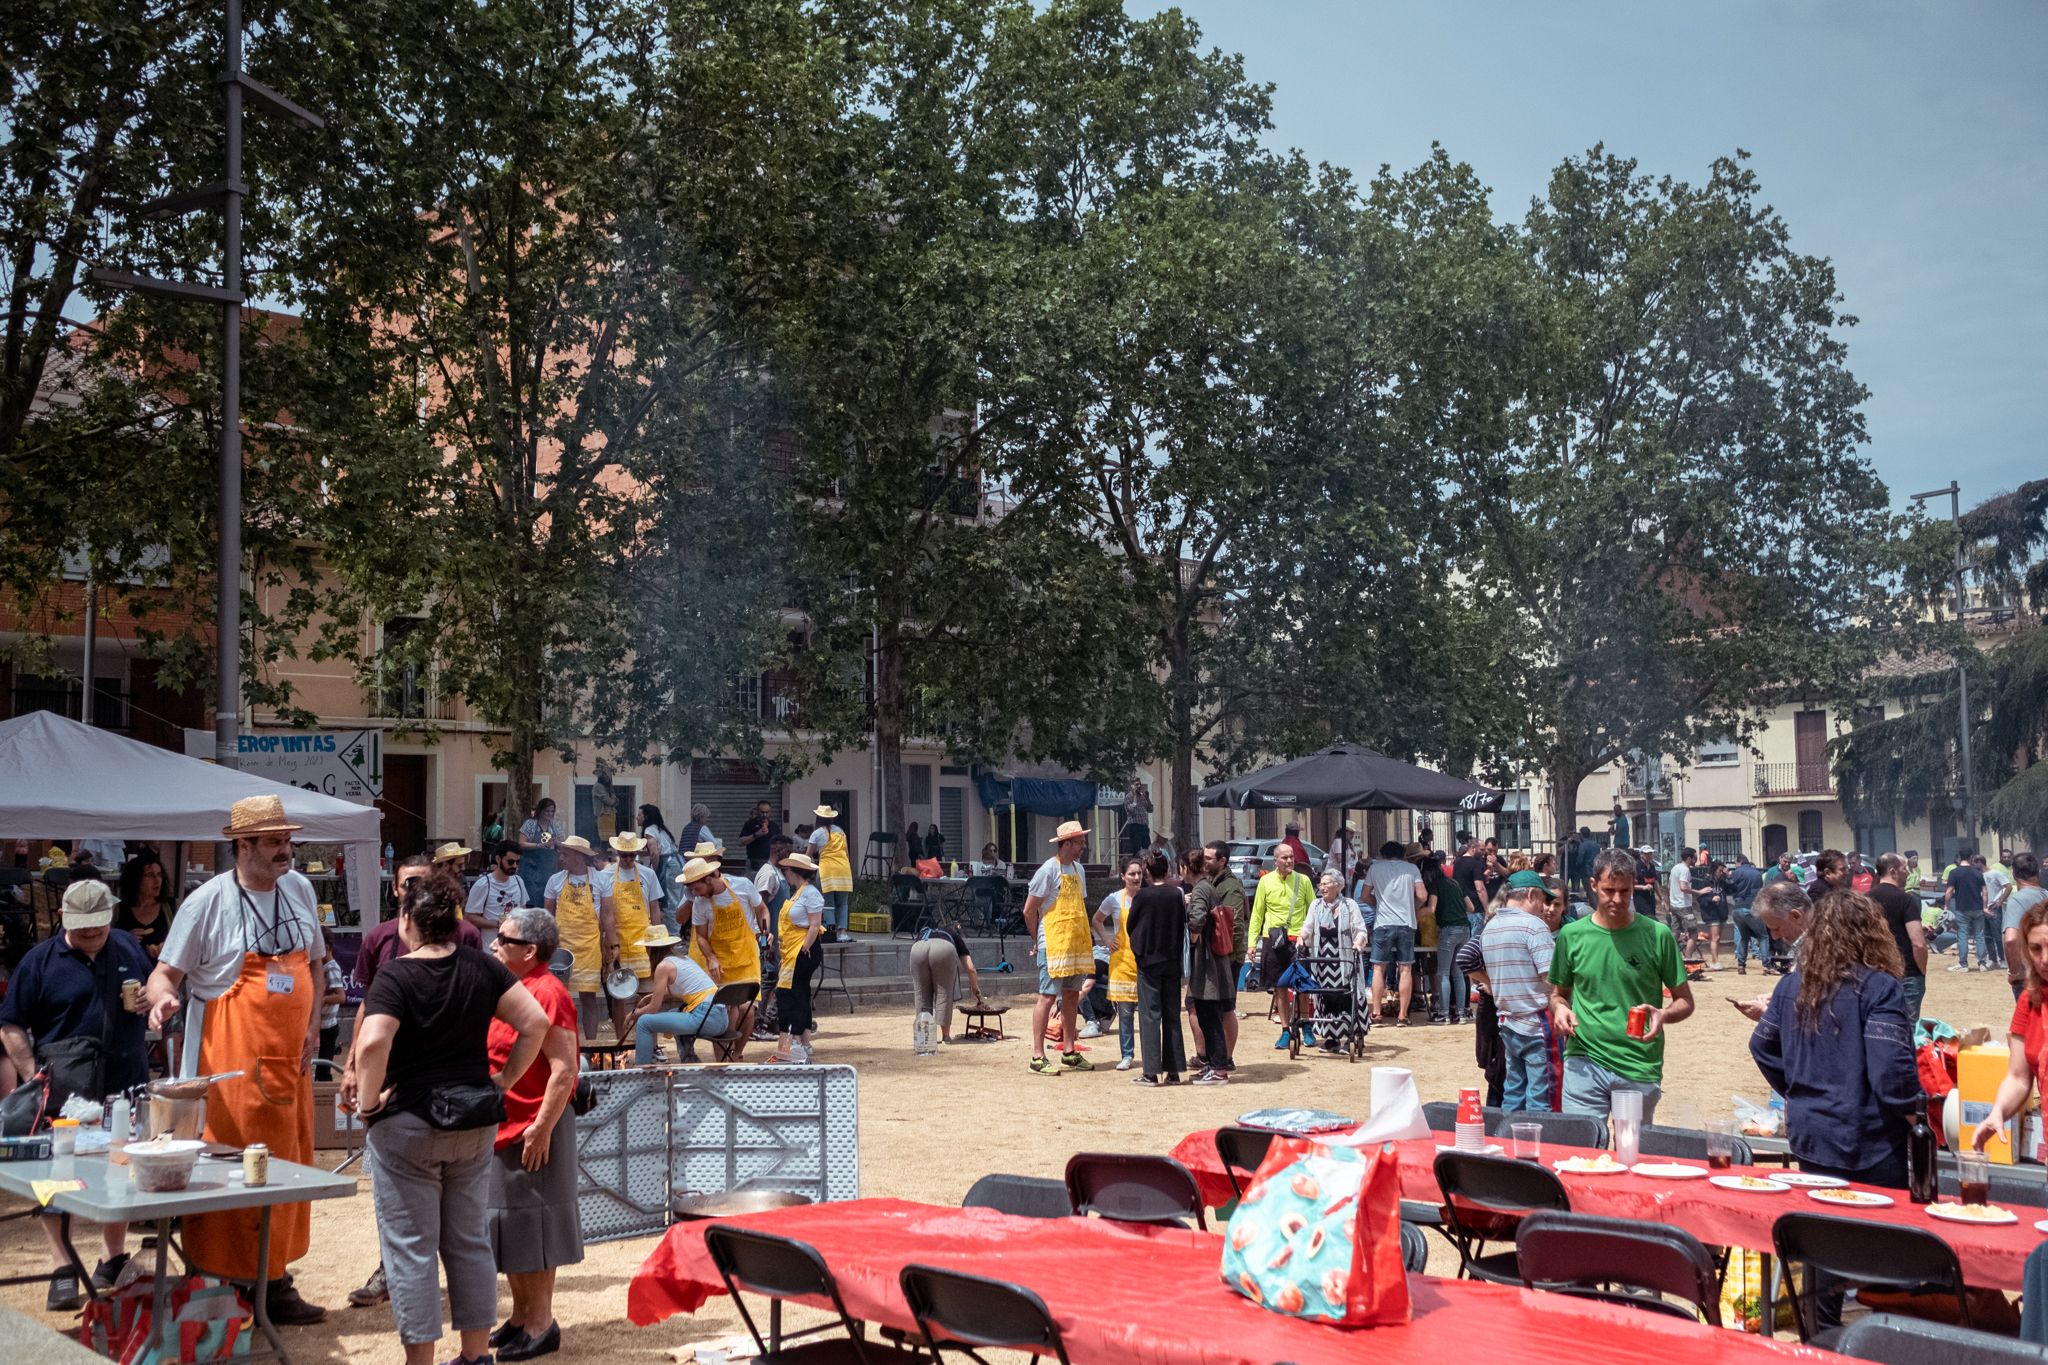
x=110, y=1196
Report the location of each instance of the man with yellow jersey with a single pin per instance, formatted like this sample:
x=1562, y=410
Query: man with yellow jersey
x=1056, y=915
x=634, y=892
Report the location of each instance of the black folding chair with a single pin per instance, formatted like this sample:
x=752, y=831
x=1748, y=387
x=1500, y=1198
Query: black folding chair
x=1485, y=1200
x=735, y=996
x=971, y=1311
x=880, y=859
x=1133, y=1189
x=1568, y=1130
x=1027, y=1196
x=1619, y=1260
x=910, y=908
x=778, y=1268
x=1893, y=1340
x=1687, y=1143
x=1242, y=1149
x=1838, y=1253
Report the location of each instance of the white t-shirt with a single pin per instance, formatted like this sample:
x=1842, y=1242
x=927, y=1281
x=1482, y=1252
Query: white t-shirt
x=806, y=907
x=606, y=881
x=768, y=881
x=553, y=891
x=1111, y=910
x=1996, y=884
x=491, y=900
x=213, y=930
x=1680, y=882
x=703, y=908
x=1045, y=883
x=1393, y=884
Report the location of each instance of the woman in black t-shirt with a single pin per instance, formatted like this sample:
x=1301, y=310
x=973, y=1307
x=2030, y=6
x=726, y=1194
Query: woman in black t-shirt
x=144, y=910
x=433, y=1106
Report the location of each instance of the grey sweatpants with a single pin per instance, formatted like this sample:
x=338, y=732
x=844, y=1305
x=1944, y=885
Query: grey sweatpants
x=934, y=976
x=433, y=1195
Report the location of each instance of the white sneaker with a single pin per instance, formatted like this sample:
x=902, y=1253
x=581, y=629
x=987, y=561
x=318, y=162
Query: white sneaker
x=1091, y=1029
x=1959, y=967
x=1125, y=1065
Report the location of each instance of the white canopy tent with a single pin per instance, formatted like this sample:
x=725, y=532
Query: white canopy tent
x=63, y=780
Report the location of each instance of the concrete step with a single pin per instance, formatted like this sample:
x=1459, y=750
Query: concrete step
x=1007, y=988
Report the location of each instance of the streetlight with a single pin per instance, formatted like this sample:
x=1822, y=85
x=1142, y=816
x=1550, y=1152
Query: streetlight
x=226, y=195
x=1954, y=495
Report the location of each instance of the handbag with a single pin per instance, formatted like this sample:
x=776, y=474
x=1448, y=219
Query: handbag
x=452, y=1108
x=1276, y=957
x=585, y=1097
x=1318, y=1235
x=1220, y=940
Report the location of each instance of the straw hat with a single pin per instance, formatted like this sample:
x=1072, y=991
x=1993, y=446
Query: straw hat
x=696, y=870
x=825, y=813
x=576, y=843
x=450, y=851
x=88, y=905
x=708, y=851
x=1071, y=829
x=664, y=939
x=628, y=842
x=801, y=862
x=253, y=815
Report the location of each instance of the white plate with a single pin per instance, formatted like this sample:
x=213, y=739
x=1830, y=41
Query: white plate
x=1669, y=1170
x=1947, y=1214
x=2041, y=1226
x=1490, y=1149
x=1566, y=1165
x=1811, y=1182
x=1734, y=1182
x=1855, y=1199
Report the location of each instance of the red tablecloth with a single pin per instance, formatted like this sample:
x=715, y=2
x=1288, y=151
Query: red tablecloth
x=1128, y=1294
x=1992, y=1257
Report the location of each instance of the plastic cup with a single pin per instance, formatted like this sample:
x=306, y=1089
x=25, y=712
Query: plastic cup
x=1720, y=1144
x=1973, y=1177
x=1528, y=1140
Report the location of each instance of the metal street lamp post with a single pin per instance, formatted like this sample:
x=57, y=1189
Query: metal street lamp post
x=1955, y=517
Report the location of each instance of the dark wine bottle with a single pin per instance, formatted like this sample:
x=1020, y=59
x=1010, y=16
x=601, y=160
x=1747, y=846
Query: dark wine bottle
x=1921, y=1183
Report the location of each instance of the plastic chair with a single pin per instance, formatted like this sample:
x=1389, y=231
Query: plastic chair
x=734, y=995
x=778, y=1268
x=1133, y=1189
x=1861, y=1254
x=1618, y=1260
x=1894, y=1340
x=1688, y=1143
x=1414, y=1249
x=1242, y=1149
x=1567, y=1130
x=977, y=1312
x=1485, y=1199
x=1026, y=1196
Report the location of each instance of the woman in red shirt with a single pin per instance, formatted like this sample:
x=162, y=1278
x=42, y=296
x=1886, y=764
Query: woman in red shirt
x=2028, y=1042
x=535, y=1229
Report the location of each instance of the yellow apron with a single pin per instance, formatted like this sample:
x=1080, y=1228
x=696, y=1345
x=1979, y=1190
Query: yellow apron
x=1069, y=950
x=790, y=937
x=835, y=873
x=629, y=913
x=1123, y=963
x=732, y=938
x=576, y=919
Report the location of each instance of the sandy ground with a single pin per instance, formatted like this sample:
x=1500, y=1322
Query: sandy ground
x=930, y=1127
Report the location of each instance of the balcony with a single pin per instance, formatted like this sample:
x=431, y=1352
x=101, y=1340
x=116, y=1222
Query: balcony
x=771, y=698
x=410, y=696
x=1779, y=780
x=66, y=697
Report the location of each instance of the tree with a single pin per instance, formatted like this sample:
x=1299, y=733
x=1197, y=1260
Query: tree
x=1647, y=434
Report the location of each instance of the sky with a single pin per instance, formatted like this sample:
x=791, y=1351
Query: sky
x=1906, y=142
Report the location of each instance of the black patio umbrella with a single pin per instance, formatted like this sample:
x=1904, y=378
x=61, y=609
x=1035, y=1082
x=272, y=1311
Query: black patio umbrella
x=1350, y=777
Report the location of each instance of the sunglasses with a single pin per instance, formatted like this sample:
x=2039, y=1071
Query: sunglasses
x=515, y=942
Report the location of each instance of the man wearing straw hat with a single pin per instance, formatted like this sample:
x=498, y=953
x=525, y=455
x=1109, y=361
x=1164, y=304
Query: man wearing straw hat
x=835, y=871
x=583, y=913
x=247, y=946
x=1056, y=914
x=726, y=915
x=634, y=892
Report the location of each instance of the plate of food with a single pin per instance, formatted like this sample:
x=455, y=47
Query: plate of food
x=1807, y=1180
x=1754, y=1184
x=1858, y=1199
x=1603, y=1164
x=1971, y=1213
x=1669, y=1170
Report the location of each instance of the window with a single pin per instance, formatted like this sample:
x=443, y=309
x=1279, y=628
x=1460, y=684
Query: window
x=403, y=689
x=1265, y=824
x=1722, y=753
x=1722, y=844
x=1872, y=840
x=1511, y=822
x=919, y=782
x=1809, y=831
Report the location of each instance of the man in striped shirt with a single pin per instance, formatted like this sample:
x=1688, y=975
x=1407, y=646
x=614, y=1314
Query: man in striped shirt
x=1517, y=946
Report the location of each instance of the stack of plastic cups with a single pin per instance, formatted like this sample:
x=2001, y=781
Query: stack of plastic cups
x=1625, y=1117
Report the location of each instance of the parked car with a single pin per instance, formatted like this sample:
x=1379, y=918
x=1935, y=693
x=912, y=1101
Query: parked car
x=1250, y=857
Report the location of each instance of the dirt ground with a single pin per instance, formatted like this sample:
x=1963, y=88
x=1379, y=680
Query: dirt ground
x=930, y=1127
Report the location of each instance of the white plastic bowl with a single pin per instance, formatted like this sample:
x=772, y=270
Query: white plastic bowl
x=163, y=1165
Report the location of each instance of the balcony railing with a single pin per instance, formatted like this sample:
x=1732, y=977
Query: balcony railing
x=410, y=697
x=1794, y=779
x=66, y=697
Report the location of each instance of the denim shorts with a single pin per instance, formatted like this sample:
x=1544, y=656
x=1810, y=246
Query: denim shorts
x=1393, y=945
x=1048, y=986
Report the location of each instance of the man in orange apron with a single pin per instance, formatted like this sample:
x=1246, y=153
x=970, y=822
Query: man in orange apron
x=247, y=946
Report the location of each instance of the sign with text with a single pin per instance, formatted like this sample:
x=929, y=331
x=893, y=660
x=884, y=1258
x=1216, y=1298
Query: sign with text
x=344, y=763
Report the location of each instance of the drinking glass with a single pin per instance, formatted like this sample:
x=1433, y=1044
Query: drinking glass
x=1973, y=1177
x=1528, y=1140
x=1720, y=1144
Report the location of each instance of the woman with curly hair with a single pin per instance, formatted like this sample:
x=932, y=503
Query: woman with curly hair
x=1835, y=1041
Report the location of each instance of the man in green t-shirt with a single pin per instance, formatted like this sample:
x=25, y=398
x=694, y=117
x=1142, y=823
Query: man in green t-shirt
x=1602, y=968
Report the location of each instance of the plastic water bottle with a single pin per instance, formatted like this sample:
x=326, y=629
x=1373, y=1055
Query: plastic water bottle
x=924, y=1035
x=117, y=1123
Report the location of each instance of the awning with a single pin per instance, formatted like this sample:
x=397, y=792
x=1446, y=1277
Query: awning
x=1349, y=777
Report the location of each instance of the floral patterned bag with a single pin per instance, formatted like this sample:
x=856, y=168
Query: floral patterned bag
x=1318, y=1235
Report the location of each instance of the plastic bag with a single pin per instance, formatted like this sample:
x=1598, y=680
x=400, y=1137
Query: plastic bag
x=1754, y=1121
x=1318, y=1235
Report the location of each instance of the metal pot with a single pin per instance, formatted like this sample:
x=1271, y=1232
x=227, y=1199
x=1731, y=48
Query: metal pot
x=178, y=1118
x=621, y=984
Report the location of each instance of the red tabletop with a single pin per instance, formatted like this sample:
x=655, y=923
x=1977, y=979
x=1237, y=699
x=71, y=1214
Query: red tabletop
x=1152, y=1295
x=1991, y=1257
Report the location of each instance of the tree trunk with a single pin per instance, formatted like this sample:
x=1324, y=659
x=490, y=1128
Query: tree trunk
x=889, y=720
x=1186, y=817
x=1564, y=776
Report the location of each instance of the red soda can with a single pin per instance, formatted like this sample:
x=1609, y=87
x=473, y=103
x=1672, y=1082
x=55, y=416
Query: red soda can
x=1638, y=1021
x=1470, y=1110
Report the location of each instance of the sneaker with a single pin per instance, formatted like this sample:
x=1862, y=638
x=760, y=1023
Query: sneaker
x=1074, y=1061
x=1125, y=1064
x=107, y=1272
x=1308, y=1036
x=1045, y=1066
x=1402, y=1023
x=1958, y=967
x=1143, y=1080
x=287, y=1309
x=65, y=1296
x=527, y=1348
x=484, y=1359
x=1280, y=1043
x=1212, y=1078
x=1091, y=1029
x=373, y=1292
